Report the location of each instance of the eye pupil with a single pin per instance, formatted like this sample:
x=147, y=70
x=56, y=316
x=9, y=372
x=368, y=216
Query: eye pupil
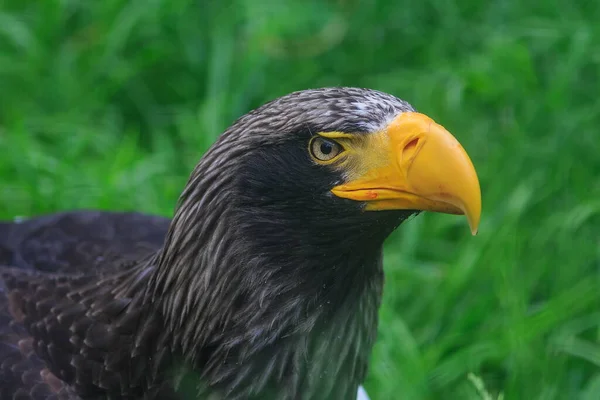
x=326, y=148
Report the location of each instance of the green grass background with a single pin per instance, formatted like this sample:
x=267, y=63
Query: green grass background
x=109, y=104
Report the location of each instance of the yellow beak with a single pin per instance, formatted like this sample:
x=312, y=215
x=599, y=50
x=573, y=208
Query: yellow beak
x=421, y=167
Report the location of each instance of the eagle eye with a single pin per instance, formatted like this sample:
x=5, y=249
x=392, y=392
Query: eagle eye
x=324, y=150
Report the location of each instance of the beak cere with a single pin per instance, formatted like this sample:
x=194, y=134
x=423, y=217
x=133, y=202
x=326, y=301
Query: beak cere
x=420, y=167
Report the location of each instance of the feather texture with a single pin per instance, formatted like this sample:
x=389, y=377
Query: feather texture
x=261, y=287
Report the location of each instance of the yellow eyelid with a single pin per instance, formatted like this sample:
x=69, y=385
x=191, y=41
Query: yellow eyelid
x=336, y=135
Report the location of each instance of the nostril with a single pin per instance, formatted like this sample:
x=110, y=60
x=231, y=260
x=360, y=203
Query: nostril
x=410, y=148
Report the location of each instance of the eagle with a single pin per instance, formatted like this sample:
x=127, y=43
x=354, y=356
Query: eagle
x=265, y=284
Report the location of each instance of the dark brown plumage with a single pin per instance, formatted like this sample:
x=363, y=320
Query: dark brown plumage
x=66, y=244
x=263, y=286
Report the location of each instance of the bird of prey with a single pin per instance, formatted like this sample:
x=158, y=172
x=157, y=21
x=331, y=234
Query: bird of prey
x=265, y=284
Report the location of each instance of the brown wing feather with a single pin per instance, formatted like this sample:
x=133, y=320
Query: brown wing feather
x=70, y=242
x=23, y=374
x=62, y=318
x=73, y=336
